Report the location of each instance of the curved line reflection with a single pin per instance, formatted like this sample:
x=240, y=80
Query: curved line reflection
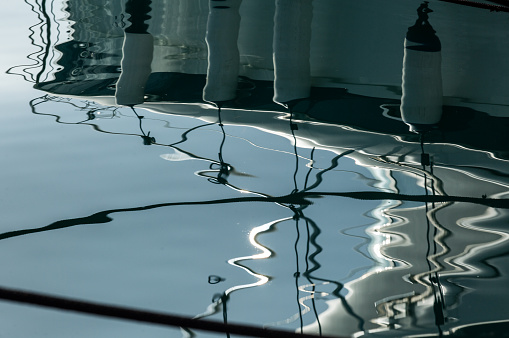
x=266, y=253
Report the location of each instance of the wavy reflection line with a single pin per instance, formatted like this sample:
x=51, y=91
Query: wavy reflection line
x=220, y=302
x=310, y=240
x=297, y=272
x=437, y=183
x=102, y=217
x=461, y=261
x=298, y=198
x=184, y=136
x=91, y=110
x=334, y=164
x=264, y=254
x=380, y=195
x=43, y=47
x=316, y=265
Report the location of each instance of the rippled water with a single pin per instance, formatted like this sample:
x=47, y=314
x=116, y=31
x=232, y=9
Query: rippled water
x=331, y=167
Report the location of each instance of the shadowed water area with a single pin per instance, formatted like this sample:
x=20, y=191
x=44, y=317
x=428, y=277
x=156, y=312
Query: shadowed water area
x=275, y=168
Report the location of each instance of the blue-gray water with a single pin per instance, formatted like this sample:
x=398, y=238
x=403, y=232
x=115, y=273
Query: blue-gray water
x=169, y=205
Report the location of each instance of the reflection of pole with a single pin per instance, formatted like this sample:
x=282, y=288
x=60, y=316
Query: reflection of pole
x=224, y=168
x=434, y=279
x=292, y=36
x=421, y=101
x=223, y=58
x=137, y=53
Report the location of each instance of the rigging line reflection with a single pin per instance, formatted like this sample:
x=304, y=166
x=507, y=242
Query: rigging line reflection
x=293, y=127
x=297, y=274
x=334, y=164
x=104, y=216
x=90, y=113
x=188, y=131
x=407, y=168
x=147, y=139
x=90, y=116
x=266, y=253
x=298, y=198
x=311, y=161
x=434, y=279
x=224, y=169
x=308, y=277
x=312, y=238
x=297, y=215
x=381, y=195
x=430, y=279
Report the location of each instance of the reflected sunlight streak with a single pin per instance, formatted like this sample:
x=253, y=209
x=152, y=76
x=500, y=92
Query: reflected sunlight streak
x=266, y=253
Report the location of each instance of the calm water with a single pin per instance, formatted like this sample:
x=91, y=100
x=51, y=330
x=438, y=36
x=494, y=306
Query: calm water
x=329, y=167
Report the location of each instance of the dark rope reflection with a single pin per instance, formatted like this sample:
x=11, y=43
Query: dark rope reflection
x=434, y=279
x=299, y=198
x=312, y=237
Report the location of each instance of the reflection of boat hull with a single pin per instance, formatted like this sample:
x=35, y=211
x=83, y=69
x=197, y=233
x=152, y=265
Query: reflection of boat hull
x=179, y=28
x=330, y=105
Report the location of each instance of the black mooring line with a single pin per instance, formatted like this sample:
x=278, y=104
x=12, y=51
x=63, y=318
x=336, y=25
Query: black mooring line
x=145, y=316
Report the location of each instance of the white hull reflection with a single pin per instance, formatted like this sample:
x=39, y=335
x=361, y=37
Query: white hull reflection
x=347, y=47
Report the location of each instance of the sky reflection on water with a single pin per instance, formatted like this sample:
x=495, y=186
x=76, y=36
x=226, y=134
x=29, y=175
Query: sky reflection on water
x=283, y=163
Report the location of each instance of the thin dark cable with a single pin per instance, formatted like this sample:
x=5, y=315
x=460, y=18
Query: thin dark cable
x=184, y=135
x=433, y=281
x=334, y=164
x=313, y=301
x=224, y=300
x=492, y=8
x=139, y=119
x=311, y=157
x=339, y=286
x=298, y=198
x=144, y=316
x=292, y=129
x=220, y=155
x=501, y=2
x=297, y=273
x=437, y=277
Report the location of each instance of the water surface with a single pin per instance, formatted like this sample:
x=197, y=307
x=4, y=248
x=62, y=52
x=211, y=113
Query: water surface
x=330, y=167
